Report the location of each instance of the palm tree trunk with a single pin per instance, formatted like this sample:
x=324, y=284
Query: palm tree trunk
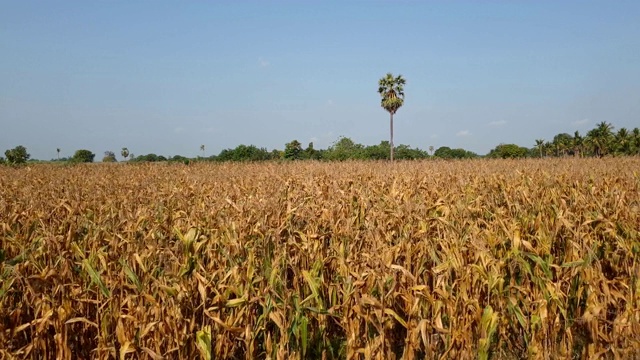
x=391, y=130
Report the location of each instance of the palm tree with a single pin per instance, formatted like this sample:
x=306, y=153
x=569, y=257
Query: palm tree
x=600, y=137
x=58, y=150
x=623, y=141
x=578, y=142
x=202, y=149
x=636, y=139
x=391, y=89
x=124, y=153
x=562, y=142
x=539, y=144
x=547, y=147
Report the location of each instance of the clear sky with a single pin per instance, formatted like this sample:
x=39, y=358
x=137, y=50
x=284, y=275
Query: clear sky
x=165, y=77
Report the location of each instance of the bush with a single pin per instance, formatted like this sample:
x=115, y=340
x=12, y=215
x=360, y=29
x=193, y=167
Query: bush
x=149, y=158
x=17, y=155
x=508, y=151
x=244, y=153
x=446, y=152
x=83, y=156
x=109, y=156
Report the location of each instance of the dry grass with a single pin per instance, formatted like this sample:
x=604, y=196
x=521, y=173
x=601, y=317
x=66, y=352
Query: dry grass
x=461, y=260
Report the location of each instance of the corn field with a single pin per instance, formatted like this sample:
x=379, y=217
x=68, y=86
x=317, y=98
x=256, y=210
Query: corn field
x=486, y=259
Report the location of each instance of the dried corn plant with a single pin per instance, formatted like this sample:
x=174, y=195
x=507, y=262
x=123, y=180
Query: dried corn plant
x=464, y=259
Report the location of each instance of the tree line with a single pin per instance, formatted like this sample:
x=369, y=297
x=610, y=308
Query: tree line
x=600, y=141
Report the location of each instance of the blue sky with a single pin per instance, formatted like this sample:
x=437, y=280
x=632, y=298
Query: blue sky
x=165, y=77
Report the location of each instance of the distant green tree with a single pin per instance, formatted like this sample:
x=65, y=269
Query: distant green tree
x=600, y=138
x=539, y=145
x=149, y=158
x=202, y=149
x=405, y=152
x=533, y=152
x=445, y=152
x=293, y=150
x=623, y=142
x=2, y=161
x=226, y=155
x=508, y=151
x=578, y=144
x=547, y=148
x=635, y=134
x=83, y=156
x=344, y=149
x=401, y=152
x=460, y=153
x=16, y=156
x=276, y=154
x=391, y=89
x=562, y=143
x=311, y=153
x=377, y=152
x=58, y=150
x=175, y=158
x=244, y=153
x=125, y=153
x=109, y=156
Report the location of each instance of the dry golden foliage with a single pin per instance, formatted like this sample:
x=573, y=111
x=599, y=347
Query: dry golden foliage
x=529, y=259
